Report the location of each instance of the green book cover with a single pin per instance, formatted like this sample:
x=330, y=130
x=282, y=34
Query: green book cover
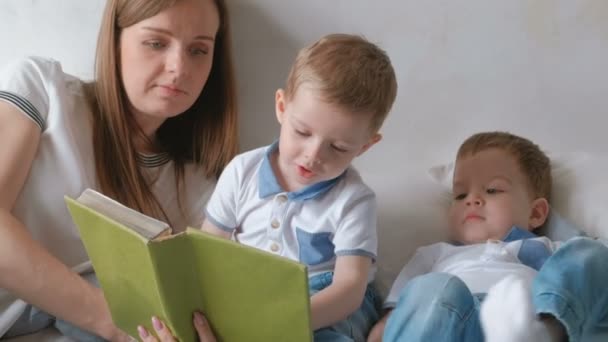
x=246, y=294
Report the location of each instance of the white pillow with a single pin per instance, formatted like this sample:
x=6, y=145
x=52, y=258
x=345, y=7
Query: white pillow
x=580, y=193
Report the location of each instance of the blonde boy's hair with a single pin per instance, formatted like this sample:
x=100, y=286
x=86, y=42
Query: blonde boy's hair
x=348, y=71
x=533, y=162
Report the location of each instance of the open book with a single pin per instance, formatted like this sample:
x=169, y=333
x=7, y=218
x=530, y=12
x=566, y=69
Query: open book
x=246, y=294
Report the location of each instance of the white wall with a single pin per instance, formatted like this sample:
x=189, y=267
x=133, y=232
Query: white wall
x=534, y=67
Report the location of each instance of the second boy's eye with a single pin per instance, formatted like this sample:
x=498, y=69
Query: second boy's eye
x=460, y=197
x=492, y=191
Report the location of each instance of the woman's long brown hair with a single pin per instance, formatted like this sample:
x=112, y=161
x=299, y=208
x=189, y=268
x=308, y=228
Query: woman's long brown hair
x=206, y=134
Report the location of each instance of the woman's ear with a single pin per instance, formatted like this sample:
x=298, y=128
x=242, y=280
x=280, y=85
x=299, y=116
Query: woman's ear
x=539, y=213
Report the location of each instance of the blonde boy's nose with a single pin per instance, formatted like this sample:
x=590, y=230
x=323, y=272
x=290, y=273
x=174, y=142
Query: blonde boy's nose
x=313, y=154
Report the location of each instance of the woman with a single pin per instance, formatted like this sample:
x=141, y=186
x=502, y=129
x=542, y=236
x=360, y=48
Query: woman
x=153, y=130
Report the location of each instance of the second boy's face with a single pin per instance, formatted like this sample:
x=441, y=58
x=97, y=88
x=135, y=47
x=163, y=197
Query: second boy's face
x=318, y=140
x=490, y=196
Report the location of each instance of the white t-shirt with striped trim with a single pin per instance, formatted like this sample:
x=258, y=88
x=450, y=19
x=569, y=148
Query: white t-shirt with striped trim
x=64, y=165
x=314, y=225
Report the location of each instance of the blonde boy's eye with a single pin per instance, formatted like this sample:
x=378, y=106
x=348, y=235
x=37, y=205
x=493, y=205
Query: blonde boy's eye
x=302, y=133
x=339, y=149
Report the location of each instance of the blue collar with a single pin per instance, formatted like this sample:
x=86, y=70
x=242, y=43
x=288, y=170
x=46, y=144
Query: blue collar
x=268, y=184
x=517, y=233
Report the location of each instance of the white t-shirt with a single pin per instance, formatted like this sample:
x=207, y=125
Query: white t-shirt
x=481, y=265
x=64, y=165
x=313, y=225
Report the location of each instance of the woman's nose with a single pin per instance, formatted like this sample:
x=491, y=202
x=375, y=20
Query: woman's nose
x=176, y=62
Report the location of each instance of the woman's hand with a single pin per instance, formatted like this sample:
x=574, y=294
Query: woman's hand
x=164, y=334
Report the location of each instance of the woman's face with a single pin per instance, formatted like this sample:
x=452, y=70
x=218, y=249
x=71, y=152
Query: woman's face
x=165, y=60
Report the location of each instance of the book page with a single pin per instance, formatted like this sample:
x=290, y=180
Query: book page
x=144, y=225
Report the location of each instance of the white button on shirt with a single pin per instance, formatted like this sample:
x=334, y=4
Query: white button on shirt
x=495, y=250
x=312, y=226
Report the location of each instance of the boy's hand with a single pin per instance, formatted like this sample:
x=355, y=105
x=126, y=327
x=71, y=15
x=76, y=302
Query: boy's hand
x=378, y=330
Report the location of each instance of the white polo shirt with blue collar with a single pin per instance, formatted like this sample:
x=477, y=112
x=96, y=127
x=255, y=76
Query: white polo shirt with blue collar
x=481, y=265
x=313, y=225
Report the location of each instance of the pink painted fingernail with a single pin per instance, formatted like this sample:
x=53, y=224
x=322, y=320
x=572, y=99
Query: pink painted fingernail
x=142, y=332
x=198, y=318
x=158, y=325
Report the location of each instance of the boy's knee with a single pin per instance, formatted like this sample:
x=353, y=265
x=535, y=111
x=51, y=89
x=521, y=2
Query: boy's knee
x=584, y=252
x=428, y=305
x=437, y=291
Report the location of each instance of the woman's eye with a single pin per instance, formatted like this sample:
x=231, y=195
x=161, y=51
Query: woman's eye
x=155, y=44
x=199, y=51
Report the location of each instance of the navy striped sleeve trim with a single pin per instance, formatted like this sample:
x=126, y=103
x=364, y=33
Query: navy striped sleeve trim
x=218, y=224
x=357, y=252
x=153, y=160
x=25, y=106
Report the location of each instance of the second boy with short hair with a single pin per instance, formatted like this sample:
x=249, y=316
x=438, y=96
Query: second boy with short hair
x=300, y=197
x=501, y=188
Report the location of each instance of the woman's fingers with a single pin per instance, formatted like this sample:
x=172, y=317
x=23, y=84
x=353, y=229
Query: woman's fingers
x=145, y=335
x=163, y=333
x=205, y=334
x=203, y=329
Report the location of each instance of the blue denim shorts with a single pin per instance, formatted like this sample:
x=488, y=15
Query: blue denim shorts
x=357, y=325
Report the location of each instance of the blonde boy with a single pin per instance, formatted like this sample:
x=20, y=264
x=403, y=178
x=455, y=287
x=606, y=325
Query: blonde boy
x=501, y=189
x=300, y=197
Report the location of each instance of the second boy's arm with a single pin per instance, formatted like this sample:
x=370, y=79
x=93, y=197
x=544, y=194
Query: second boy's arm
x=344, y=295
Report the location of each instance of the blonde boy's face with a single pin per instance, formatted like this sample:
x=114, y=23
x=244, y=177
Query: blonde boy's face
x=491, y=196
x=318, y=140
